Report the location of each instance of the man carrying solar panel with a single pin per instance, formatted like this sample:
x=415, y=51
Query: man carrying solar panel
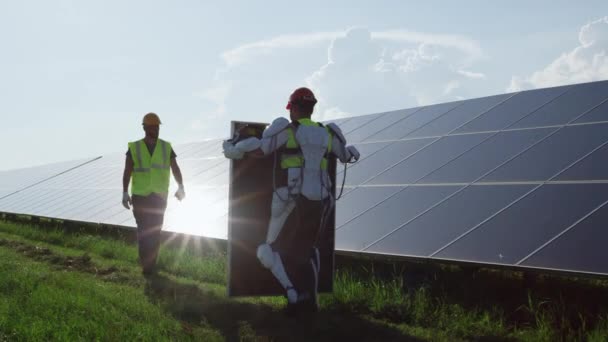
x=303, y=189
x=148, y=165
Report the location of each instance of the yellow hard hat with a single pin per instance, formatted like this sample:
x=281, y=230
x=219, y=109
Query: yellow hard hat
x=151, y=119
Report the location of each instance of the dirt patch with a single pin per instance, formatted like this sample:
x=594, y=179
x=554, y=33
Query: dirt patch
x=81, y=263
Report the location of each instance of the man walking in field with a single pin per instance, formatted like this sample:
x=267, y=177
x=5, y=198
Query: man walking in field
x=148, y=165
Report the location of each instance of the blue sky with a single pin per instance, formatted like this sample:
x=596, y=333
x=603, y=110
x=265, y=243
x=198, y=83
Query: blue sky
x=77, y=76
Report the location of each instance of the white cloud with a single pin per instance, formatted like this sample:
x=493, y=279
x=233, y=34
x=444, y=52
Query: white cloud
x=472, y=74
x=369, y=72
x=246, y=52
x=465, y=44
x=585, y=63
x=332, y=114
x=352, y=72
x=450, y=87
x=216, y=98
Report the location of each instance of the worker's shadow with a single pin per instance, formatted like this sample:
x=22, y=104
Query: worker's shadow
x=193, y=305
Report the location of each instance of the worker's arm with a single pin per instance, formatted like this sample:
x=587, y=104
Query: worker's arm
x=274, y=137
x=126, y=179
x=180, y=194
x=346, y=154
x=177, y=173
x=126, y=176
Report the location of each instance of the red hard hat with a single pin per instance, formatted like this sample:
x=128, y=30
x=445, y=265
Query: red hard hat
x=301, y=94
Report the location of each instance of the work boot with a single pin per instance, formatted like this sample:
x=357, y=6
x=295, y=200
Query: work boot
x=307, y=303
x=292, y=310
x=307, y=298
x=149, y=271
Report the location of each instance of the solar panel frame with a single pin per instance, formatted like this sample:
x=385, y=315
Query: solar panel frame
x=410, y=201
x=560, y=111
x=482, y=158
x=597, y=114
x=569, y=253
x=459, y=116
x=513, y=110
x=506, y=232
x=420, y=234
x=427, y=156
x=410, y=123
x=537, y=164
x=383, y=120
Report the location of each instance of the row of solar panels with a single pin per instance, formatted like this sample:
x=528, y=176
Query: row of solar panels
x=516, y=179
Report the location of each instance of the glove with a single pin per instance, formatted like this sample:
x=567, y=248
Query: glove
x=180, y=194
x=231, y=151
x=354, y=154
x=126, y=200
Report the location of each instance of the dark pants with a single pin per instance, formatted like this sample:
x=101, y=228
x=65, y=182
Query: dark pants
x=149, y=212
x=297, y=242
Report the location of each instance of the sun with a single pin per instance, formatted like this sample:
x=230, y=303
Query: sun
x=203, y=212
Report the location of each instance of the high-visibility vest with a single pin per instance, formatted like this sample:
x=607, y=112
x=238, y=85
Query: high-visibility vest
x=151, y=173
x=291, y=156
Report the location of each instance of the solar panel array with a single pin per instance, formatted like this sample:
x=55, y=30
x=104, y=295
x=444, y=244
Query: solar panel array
x=93, y=193
x=515, y=179
x=16, y=180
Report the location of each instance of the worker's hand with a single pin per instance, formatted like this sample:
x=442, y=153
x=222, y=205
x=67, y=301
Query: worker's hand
x=180, y=194
x=354, y=154
x=231, y=151
x=126, y=200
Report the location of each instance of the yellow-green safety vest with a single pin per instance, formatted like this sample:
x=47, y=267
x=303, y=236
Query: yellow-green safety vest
x=151, y=173
x=292, y=155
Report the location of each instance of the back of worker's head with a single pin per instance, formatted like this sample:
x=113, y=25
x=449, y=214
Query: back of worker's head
x=301, y=103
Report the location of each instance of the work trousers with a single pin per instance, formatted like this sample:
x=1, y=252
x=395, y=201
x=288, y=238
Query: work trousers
x=149, y=212
x=297, y=241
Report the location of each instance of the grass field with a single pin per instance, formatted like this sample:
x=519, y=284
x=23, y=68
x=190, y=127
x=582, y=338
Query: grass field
x=59, y=286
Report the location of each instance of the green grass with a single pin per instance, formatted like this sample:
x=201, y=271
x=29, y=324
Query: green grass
x=39, y=303
x=60, y=286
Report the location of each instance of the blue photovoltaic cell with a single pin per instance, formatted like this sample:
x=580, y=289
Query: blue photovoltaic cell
x=448, y=220
x=429, y=159
x=598, y=114
x=14, y=180
x=355, y=123
x=512, y=110
x=383, y=159
x=366, y=150
x=105, y=209
x=33, y=200
x=369, y=149
x=360, y=200
x=458, y=116
x=410, y=123
x=574, y=103
x=580, y=249
x=523, y=227
x=593, y=167
x=552, y=154
x=487, y=156
x=381, y=122
x=373, y=224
